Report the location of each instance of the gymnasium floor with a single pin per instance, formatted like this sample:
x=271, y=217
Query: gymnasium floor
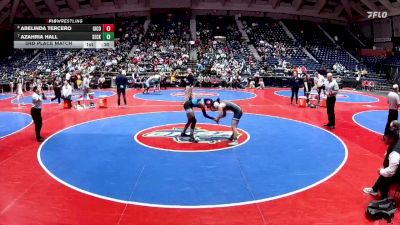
x=128, y=166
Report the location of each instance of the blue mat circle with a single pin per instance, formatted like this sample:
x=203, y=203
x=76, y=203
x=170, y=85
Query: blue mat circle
x=28, y=99
x=6, y=96
x=343, y=96
x=373, y=120
x=101, y=158
x=13, y=122
x=178, y=95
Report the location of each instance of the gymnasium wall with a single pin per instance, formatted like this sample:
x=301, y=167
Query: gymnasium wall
x=382, y=28
x=365, y=28
x=396, y=26
x=169, y=4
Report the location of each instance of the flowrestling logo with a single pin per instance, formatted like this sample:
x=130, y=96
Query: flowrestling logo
x=377, y=14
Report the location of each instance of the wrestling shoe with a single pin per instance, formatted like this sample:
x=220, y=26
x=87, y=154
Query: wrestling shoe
x=370, y=191
x=233, y=143
x=193, y=139
x=185, y=135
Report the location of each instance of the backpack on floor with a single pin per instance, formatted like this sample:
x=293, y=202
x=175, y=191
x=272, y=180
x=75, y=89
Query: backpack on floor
x=381, y=209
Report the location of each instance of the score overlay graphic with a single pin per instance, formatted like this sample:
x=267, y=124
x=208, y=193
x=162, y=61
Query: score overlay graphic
x=64, y=33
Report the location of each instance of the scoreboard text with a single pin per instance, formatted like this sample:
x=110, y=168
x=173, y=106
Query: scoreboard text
x=64, y=33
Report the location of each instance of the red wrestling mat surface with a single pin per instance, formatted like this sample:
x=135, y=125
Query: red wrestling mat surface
x=28, y=195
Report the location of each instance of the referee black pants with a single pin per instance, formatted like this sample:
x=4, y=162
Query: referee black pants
x=37, y=120
x=119, y=92
x=393, y=115
x=330, y=109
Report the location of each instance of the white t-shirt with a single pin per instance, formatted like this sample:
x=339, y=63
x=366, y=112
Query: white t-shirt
x=319, y=80
x=67, y=90
x=331, y=86
x=393, y=100
x=19, y=89
x=37, y=101
x=86, y=83
x=394, y=159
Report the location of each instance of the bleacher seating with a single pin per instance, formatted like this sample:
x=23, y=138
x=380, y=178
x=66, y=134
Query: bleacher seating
x=165, y=46
x=220, y=49
x=50, y=59
x=221, y=45
x=164, y=27
x=393, y=61
x=318, y=44
x=343, y=38
x=371, y=62
x=20, y=58
x=272, y=43
x=356, y=31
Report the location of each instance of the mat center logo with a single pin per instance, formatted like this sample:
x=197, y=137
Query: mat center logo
x=211, y=137
x=196, y=94
x=202, y=135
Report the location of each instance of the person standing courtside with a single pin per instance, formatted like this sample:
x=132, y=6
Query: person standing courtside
x=121, y=81
x=36, y=111
x=57, y=85
x=66, y=93
x=11, y=86
x=394, y=103
x=390, y=172
x=307, y=87
x=332, y=88
x=319, y=82
x=295, y=82
x=20, y=92
x=86, y=86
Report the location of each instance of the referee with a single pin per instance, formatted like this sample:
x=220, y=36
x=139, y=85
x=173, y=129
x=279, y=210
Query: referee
x=36, y=111
x=332, y=88
x=121, y=81
x=394, y=103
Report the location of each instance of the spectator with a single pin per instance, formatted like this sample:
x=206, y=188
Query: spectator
x=295, y=83
x=121, y=81
x=394, y=103
x=36, y=111
x=319, y=82
x=86, y=86
x=57, y=89
x=66, y=93
x=389, y=174
x=101, y=81
x=332, y=88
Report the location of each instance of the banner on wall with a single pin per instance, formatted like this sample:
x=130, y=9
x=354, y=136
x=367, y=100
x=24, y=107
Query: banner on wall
x=372, y=52
x=382, y=39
